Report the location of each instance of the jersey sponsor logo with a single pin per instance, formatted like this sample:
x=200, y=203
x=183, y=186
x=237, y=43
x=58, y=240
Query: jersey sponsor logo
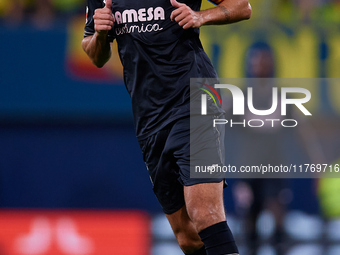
x=142, y=15
x=137, y=16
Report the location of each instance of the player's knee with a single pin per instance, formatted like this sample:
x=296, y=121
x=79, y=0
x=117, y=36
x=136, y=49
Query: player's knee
x=189, y=245
x=205, y=217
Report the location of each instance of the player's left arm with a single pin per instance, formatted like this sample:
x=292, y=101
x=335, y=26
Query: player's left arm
x=226, y=11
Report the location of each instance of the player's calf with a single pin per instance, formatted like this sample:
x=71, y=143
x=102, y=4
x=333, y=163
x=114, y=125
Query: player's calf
x=190, y=246
x=205, y=208
x=186, y=233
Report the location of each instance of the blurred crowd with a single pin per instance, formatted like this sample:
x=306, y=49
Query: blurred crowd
x=297, y=11
x=43, y=13
x=308, y=10
x=39, y=13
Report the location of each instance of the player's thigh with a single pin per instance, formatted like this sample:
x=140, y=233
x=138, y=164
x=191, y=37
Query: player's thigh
x=204, y=203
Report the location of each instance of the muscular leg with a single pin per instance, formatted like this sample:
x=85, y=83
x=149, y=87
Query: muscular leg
x=204, y=211
x=185, y=231
x=205, y=204
x=205, y=208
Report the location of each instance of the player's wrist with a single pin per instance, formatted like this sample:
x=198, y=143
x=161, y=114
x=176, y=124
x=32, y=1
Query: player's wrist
x=203, y=18
x=101, y=35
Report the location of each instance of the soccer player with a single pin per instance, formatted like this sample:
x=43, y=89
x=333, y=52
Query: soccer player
x=159, y=47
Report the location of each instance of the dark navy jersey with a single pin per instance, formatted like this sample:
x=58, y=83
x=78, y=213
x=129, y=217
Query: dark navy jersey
x=159, y=58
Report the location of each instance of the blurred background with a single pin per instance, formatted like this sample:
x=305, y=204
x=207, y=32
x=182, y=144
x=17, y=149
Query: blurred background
x=72, y=178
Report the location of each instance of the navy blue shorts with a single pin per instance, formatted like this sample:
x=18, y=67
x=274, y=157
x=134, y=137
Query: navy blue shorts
x=167, y=158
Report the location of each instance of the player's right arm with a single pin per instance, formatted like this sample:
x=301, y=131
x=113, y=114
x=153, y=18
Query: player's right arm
x=97, y=46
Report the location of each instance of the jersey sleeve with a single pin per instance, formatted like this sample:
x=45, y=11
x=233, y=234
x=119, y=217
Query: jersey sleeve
x=92, y=5
x=216, y=2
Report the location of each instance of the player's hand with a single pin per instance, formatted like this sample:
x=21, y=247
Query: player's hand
x=103, y=19
x=185, y=16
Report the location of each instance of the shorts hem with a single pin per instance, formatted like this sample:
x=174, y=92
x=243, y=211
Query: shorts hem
x=200, y=181
x=171, y=211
